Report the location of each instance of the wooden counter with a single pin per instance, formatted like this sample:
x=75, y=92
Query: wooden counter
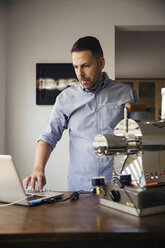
x=81, y=223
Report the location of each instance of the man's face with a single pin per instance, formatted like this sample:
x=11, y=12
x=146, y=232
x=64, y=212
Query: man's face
x=88, y=68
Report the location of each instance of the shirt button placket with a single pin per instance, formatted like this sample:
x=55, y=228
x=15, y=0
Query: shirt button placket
x=97, y=115
x=97, y=126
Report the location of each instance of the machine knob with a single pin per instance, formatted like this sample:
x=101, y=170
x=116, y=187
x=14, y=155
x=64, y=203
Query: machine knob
x=115, y=195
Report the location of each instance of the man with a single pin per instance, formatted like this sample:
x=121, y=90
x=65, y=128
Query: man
x=93, y=106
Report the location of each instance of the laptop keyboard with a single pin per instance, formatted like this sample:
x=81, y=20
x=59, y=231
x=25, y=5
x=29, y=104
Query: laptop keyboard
x=34, y=197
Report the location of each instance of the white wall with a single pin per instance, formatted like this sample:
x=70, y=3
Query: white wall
x=44, y=31
x=140, y=54
x=3, y=30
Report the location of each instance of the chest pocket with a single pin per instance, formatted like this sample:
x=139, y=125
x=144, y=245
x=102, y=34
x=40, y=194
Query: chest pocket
x=110, y=115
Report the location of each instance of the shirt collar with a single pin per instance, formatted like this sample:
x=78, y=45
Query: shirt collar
x=101, y=85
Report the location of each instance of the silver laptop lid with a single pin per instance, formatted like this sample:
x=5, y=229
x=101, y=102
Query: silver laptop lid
x=11, y=188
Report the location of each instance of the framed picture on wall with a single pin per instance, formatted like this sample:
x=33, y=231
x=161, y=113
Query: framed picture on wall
x=51, y=79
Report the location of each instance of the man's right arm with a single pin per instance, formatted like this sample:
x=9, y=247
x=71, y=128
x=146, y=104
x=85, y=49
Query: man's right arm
x=43, y=151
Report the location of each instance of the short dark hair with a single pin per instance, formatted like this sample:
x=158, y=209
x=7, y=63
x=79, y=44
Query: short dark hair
x=88, y=43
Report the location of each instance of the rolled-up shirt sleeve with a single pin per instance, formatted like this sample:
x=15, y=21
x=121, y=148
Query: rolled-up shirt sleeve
x=56, y=124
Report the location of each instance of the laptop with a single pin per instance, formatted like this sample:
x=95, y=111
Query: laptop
x=12, y=190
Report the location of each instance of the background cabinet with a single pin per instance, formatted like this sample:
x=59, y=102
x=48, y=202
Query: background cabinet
x=149, y=92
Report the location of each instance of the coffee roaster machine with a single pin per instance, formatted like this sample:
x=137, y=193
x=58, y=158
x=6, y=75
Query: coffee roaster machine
x=138, y=180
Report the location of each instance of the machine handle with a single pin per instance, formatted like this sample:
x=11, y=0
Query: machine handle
x=135, y=107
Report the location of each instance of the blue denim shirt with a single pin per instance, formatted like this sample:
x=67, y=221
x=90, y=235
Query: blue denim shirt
x=87, y=114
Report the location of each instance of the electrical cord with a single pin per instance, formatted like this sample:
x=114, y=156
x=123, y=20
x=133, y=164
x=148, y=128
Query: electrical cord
x=73, y=196
x=15, y=202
